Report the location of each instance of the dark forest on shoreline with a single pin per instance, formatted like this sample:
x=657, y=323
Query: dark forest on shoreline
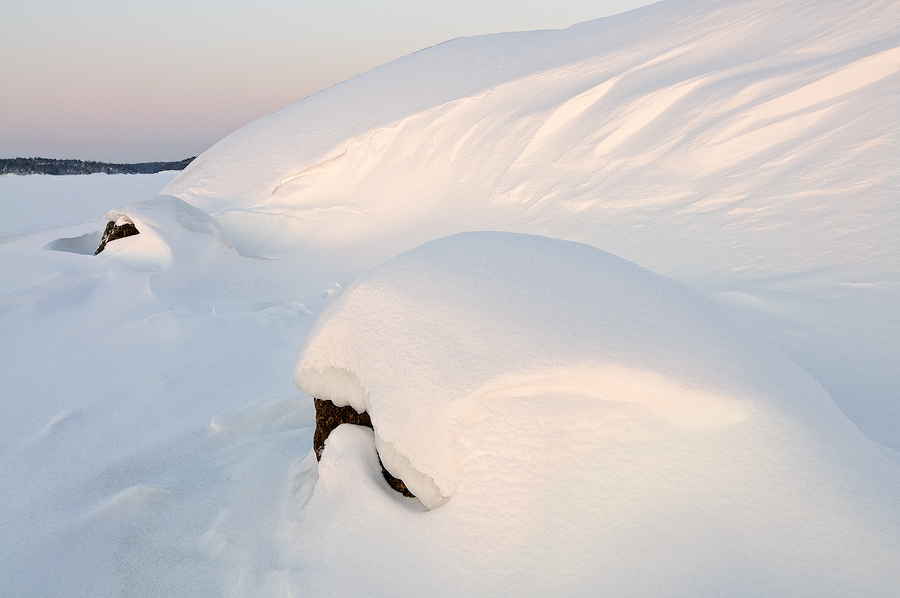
x=54, y=166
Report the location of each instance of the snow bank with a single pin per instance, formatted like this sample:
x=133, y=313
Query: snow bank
x=494, y=314
x=744, y=148
x=575, y=408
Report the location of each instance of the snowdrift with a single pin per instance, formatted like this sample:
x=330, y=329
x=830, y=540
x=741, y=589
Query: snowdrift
x=576, y=424
x=161, y=223
x=578, y=411
x=746, y=148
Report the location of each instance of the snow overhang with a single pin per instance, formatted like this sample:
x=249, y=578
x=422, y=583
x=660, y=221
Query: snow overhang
x=342, y=388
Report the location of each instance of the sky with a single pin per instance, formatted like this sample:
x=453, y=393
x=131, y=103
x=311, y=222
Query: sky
x=126, y=81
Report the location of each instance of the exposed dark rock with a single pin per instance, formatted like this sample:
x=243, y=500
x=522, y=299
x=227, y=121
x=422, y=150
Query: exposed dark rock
x=329, y=416
x=395, y=483
x=114, y=232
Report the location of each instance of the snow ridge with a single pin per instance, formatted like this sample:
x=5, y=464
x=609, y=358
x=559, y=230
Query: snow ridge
x=741, y=147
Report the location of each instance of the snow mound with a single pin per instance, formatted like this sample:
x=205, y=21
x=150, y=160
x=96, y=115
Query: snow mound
x=586, y=416
x=423, y=340
x=169, y=230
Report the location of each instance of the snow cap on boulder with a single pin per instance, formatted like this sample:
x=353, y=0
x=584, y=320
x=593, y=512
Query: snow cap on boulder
x=169, y=231
x=419, y=341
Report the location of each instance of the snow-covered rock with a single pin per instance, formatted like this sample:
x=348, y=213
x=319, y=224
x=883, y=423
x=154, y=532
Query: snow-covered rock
x=419, y=342
x=574, y=407
x=170, y=230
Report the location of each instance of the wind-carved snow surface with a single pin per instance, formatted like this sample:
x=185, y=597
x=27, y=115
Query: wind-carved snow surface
x=569, y=416
x=745, y=148
x=152, y=440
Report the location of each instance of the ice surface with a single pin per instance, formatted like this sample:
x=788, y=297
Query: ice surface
x=67, y=200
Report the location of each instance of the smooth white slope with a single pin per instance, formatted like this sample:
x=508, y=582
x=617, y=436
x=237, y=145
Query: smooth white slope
x=570, y=417
x=746, y=148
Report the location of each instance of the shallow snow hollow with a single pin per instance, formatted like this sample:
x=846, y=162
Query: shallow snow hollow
x=424, y=340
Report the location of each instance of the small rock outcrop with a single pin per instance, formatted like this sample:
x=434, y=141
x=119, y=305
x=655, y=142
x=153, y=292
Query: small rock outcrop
x=329, y=416
x=113, y=232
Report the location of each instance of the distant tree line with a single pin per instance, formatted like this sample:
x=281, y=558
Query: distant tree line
x=53, y=166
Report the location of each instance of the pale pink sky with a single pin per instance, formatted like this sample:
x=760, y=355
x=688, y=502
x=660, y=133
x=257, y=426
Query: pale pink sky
x=123, y=81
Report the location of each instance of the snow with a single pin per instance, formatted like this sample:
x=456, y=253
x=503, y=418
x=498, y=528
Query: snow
x=744, y=148
x=67, y=200
x=162, y=222
x=574, y=423
x=489, y=314
x=554, y=397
